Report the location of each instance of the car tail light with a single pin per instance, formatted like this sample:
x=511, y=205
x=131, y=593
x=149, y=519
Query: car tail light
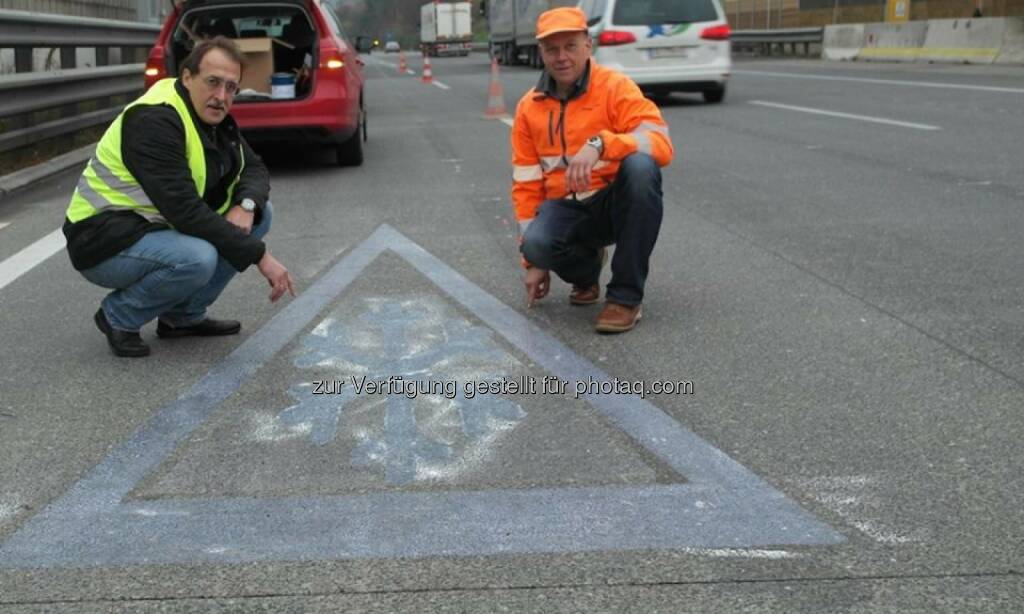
x=331, y=57
x=716, y=33
x=156, y=67
x=614, y=37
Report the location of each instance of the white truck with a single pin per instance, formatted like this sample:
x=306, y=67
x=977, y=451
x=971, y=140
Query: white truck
x=446, y=28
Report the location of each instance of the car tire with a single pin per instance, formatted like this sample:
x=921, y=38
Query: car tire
x=714, y=95
x=350, y=153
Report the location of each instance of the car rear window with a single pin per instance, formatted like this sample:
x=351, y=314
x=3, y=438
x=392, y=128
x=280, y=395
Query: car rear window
x=662, y=12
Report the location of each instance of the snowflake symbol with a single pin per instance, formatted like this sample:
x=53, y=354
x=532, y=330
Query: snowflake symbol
x=408, y=340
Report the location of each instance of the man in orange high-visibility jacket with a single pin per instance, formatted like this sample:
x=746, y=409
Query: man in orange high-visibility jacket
x=586, y=152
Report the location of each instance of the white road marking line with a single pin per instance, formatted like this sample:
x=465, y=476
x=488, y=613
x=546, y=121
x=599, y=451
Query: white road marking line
x=863, y=118
x=951, y=86
x=10, y=505
x=506, y=120
x=742, y=553
x=442, y=85
x=410, y=71
x=4, y=225
x=25, y=260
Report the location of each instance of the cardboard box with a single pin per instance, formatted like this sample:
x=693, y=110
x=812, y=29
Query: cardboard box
x=259, y=63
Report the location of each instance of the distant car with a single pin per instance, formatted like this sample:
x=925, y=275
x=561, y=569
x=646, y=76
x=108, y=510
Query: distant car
x=322, y=99
x=663, y=45
x=392, y=47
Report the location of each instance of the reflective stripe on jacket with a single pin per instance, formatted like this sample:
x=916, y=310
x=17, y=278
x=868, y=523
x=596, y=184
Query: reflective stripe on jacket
x=548, y=132
x=106, y=183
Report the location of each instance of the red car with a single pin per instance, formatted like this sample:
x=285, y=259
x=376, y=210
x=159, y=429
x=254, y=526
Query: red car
x=302, y=81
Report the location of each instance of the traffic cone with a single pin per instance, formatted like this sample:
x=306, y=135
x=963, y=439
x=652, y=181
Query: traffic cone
x=402, y=68
x=495, y=95
x=428, y=75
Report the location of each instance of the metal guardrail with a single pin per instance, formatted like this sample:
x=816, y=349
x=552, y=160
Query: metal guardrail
x=29, y=92
x=766, y=41
x=21, y=28
x=26, y=93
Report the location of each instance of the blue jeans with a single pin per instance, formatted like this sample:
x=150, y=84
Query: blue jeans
x=165, y=274
x=567, y=235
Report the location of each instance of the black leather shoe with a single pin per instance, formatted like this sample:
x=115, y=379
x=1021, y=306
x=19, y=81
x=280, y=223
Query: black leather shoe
x=207, y=328
x=122, y=342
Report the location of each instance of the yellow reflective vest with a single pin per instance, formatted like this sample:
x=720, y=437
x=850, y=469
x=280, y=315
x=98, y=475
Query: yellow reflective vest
x=106, y=183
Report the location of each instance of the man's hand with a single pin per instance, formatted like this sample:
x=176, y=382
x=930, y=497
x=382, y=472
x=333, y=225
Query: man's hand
x=577, y=176
x=278, y=277
x=242, y=218
x=538, y=282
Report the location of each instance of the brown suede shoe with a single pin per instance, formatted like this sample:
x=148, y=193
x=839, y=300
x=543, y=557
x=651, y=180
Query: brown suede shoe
x=585, y=295
x=616, y=318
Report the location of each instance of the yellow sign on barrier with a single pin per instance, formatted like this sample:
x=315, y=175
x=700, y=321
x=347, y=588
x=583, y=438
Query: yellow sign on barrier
x=897, y=10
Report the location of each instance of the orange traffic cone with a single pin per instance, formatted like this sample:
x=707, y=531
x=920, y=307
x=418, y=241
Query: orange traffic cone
x=495, y=95
x=428, y=75
x=402, y=68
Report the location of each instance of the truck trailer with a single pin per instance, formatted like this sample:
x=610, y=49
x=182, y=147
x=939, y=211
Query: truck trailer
x=446, y=28
x=513, y=28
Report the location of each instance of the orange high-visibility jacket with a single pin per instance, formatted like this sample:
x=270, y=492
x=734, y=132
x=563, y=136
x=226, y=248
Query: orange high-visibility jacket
x=548, y=132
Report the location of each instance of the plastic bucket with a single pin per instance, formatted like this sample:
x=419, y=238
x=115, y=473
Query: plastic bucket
x=282, y=85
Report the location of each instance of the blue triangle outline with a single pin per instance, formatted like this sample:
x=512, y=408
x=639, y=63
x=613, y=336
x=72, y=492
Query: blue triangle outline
x=723, y=504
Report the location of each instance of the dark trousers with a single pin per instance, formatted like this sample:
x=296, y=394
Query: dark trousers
x=567, y=234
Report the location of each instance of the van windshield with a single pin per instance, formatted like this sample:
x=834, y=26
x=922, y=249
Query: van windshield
x=661, y=12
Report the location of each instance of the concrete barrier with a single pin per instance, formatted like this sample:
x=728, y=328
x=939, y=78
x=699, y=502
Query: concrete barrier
x=985, y=40
x=899, y=42
x=1012, y=50
x=842, y=42
x=971, y=41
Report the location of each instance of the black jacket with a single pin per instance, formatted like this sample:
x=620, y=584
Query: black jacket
x=153, y=150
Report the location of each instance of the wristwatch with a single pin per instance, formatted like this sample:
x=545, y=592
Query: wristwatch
x=248, y=204
x=597, y=143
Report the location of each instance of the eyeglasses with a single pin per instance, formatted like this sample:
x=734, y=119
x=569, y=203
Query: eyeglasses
x=215, y=83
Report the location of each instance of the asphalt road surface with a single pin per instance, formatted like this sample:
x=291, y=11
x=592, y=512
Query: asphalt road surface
x=820, y=412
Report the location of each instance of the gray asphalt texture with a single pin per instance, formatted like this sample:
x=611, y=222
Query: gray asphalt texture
x=845, y=296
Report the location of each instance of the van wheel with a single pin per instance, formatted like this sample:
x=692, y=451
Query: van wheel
x=714, y=95
x=350, y=153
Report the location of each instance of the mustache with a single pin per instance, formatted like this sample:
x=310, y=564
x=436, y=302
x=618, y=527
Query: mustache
x=217, y=105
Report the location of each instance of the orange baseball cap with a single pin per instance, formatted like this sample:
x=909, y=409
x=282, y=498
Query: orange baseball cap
x=565, y=19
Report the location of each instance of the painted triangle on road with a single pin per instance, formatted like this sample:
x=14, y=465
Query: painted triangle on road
x=722, y=504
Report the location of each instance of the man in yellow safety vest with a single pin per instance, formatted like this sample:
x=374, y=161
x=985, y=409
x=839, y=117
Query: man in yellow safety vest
x=173, y=204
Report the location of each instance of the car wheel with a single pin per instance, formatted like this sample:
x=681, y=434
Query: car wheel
x=350, y=153
x=714, y=95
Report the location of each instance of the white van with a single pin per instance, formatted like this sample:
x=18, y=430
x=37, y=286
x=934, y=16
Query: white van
x=663, y=45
